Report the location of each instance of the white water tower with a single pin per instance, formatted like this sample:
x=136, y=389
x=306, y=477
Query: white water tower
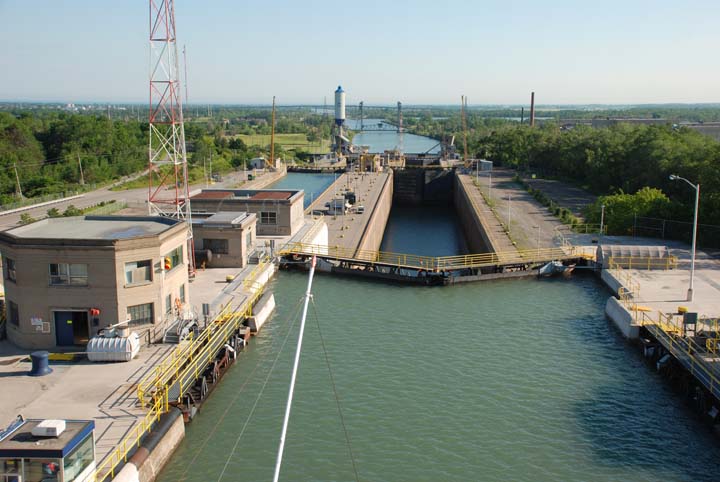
x=339, y=106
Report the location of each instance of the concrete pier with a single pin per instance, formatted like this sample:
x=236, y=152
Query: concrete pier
x=354, y=229
x=483, y=231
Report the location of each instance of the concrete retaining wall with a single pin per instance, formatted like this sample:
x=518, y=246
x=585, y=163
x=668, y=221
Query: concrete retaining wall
x=266, y=179
x=614, y=309
x=375, y=229
x=476, y=233
x=622, y=318
x=155, y=450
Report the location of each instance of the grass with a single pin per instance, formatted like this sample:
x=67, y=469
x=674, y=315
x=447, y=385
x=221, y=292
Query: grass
x=288, y=142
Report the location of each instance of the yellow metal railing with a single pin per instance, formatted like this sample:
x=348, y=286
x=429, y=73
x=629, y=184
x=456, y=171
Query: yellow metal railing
x=132, y=440
x=644, y=262
x=250, y=279
x=158, y=377
x=429, y=263
x=193, y=370
x=669, y=330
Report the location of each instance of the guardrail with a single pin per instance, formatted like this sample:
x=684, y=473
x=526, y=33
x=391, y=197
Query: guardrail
x=180, y=369
x=131, y=441
x=670, y=333
x=163, y=372
x=250, y=279
x=429, y=262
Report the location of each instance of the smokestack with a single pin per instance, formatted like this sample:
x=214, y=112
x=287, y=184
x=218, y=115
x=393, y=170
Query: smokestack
x=532, y=109
x=522, y=114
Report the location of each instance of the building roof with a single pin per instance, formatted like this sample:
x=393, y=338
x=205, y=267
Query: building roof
x=224, y=218
x=213, y=195
x=271, y=195
x=22, y=443
x=106, y=228
x=249, y=195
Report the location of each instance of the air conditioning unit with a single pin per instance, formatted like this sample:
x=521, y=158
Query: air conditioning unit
x=49, y=428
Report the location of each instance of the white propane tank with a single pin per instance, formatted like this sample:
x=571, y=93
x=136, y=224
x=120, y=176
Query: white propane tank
x=115, y=349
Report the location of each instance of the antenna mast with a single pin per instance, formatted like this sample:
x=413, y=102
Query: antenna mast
x=168, y=189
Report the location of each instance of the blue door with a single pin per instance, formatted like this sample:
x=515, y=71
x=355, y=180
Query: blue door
x=64, y=328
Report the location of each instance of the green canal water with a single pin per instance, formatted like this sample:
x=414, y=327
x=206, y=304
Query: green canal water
x=514, y=380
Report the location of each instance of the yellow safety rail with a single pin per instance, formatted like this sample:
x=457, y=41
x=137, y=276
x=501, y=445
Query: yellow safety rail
x=193, y=370
x=132, y=440
x=643, y=262
x=429, y=263
x=251, y=278
x=669, y=331
x=157, y=378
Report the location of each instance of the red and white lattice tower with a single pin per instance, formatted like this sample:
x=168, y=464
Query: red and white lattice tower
x=168, y=191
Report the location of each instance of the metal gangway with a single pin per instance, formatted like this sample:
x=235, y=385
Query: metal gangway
x=433, y=263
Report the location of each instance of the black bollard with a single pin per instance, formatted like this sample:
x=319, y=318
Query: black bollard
x=40, y=365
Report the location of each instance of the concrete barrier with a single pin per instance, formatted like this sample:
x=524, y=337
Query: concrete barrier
x=476, y=233
x=372, y=236
x=622, y=318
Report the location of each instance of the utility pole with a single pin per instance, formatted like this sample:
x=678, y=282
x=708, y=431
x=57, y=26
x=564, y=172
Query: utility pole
x=509, y=199
x=205, y=171
x=463, y=100
x=185, y=68
x=17, y=179
x=82, y=177
x=211, y=165
x=272, y=135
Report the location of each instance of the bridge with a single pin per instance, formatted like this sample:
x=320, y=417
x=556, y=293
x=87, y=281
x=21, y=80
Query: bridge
x=431, y=270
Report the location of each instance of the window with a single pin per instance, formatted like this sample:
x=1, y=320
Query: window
x=217, y=246
x=79, y=459
x=140, y=314
x=68, y=274
x=173, y=258
x=268, y=218
x=168, y=304
x=138, y=272
x=248, y=240
x=9, y=269
x=182, y=292
x=13, y=314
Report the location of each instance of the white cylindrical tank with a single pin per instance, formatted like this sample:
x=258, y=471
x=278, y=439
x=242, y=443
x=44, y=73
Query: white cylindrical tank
x=110, y=349
x=339, y=106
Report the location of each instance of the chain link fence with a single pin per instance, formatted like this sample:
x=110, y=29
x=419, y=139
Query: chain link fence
x=708, y=235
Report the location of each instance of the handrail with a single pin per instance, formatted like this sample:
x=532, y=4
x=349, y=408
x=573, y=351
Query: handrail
x=155, y=379
x=131, y=440
x=670, y=332
x=428, y=262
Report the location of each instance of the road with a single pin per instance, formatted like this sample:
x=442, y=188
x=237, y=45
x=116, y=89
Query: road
x=531, y=224
x=135, y=197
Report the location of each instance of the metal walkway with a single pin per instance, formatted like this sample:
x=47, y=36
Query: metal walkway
x=430, y=263
x=697, y=354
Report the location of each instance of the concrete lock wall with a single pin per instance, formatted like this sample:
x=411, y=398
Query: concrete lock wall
x=475, y=232
x=375, y=229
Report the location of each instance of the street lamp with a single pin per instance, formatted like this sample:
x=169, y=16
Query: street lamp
x=673, y=177
x=602, y=218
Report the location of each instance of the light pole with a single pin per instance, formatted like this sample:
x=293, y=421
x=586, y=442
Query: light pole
x=508, y=226
x=673, y=177
x=602, y=218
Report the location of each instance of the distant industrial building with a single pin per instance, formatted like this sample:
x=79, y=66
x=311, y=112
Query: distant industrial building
x=279, y=212
x=67, y=278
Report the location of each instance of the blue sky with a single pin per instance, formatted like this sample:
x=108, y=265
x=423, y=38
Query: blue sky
x=420, y=52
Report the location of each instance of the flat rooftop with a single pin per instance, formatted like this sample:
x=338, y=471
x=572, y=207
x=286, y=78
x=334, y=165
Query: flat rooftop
x=21, y=440
x=224, y=218
x=247, y=194
x=107, y=228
